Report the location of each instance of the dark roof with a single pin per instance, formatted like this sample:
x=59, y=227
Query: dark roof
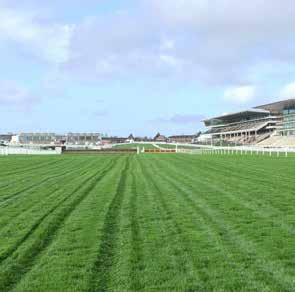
x=159, y=137
x=183, y=136
x=113, y=138
x=278, y=106
x=274, y=107
x=227, y=118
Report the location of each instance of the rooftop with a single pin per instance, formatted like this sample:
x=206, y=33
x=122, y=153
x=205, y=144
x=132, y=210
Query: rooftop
x=278, y=106
x=232, y=116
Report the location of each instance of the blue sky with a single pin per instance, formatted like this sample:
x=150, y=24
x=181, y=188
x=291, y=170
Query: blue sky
x=140, y=66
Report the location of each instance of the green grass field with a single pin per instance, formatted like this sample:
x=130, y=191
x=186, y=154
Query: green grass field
x=147, y=223
x=172, y=146
x=135, y=145
x=152, y=146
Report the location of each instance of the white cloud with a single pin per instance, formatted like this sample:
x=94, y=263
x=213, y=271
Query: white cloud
x=214, y=41
x=167, y=45
x=223, y=16
x=180, y=119
x=49, y=41
x=170, y=60
x=240, y=94
x=15, y=95
x=288, y=91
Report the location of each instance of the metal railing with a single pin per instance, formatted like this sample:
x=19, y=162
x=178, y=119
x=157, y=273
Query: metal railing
x=240, y=150
x=28, y=151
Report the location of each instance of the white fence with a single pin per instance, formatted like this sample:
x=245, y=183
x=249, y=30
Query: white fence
x=225, y=150
x=190, y=151
x=28, y=151
x=242, y=150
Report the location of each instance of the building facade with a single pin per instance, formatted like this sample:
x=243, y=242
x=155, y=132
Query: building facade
x=160, y=138
x=288, y=122
x=57, y=139
x=253, y=125
x=185, y=139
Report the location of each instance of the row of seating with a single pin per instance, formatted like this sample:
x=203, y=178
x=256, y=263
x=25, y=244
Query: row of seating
x=238, y=127
x=253, y=139
x=278, y=141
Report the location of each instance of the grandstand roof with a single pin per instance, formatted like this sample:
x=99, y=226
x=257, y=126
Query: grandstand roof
x=278, y=106
x=231, y=117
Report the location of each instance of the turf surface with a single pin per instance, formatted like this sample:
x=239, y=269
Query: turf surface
x=135, y=145
x=167, y=222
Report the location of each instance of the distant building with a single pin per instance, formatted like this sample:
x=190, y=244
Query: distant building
x=130, y=139
x=253, y=125
x=83, y=139
x=5, y=138
x=57, y=139
x=34, y=138
x=113, y=140
x=183, y=138
x=160, y=138
x=143, y=139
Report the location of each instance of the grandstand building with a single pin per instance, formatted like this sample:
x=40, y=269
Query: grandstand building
x=286, y=111
x=83, y=138
x=114, y=140
x=56, y=139
x=253, y=125
x=5, y=138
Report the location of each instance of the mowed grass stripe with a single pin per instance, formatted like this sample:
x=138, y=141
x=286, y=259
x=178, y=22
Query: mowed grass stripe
x=67, y=263
x=251, y=199
x=104, y=260
x=127, y=264
x=10, y=166
x=180, y=250
x=154, y=223
x=29, y=226
x=18, y=188
x=136, y=255
x=16, y=266
x=204, y=238
x=269, y=269
x=44, y=195
x=246, y=191
x=11, y=183
x=256, y=170
x=27, y=179
x=257, y=200
x=22, y=170
x=198, y=228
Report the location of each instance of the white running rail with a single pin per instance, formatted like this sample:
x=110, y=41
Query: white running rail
x=241, y=150
x=27, y=151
